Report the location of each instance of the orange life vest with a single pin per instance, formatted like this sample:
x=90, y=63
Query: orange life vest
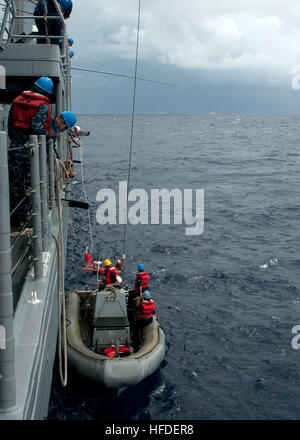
x=147, y=310
x=107, y=275
x=144, y=277
x=25, y=106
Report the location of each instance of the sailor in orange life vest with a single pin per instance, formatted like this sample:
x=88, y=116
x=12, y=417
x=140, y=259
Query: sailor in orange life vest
x=141, y=281
x=146, y=310
x=29, y=114
x=110, y=276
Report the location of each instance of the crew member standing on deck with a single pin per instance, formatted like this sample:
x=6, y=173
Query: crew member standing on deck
x=141, y=281
x=70, y=42
x=51, y=27
x=29, y=114
x=65, y=121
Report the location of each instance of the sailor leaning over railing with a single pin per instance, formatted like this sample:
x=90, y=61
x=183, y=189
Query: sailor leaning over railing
x=30, y=114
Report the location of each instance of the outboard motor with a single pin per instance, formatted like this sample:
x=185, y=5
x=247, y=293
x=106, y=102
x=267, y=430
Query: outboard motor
x=110, y=322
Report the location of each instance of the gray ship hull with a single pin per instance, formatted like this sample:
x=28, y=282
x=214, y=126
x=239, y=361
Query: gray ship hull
x=36, y=328
x=29, y=311
x=114, y=373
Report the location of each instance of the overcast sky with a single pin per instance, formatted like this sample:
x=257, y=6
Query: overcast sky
x=228, y=55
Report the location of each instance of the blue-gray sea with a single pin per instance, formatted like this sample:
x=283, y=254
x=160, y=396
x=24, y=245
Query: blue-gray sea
x=229, y=298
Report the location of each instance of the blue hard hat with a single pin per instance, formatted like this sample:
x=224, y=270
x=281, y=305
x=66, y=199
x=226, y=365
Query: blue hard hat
x=45, y=84
x=70, y=40
x=141, y=267
x=146, y=294
x=69, y=118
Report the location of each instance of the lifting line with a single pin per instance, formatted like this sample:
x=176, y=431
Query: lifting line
x=132, y=128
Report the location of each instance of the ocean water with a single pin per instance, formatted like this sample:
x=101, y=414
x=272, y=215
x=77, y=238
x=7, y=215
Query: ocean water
x=228, y=298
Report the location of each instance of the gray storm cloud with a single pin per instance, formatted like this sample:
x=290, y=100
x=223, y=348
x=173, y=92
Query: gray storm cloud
x=230, y=55
x=253, y=35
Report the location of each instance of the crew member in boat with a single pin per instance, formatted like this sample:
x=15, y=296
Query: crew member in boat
x=110, y=276
x=29, y=114
x=140, y=286
x=141, y=280
x=51, y=27
x=146, y=310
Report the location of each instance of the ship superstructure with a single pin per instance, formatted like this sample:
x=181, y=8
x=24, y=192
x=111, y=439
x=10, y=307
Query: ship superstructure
x=31, y=258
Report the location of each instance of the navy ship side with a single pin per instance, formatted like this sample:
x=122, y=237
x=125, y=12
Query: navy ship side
x=31, y=260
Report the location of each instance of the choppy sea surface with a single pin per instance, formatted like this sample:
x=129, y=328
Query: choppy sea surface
x=229, y=298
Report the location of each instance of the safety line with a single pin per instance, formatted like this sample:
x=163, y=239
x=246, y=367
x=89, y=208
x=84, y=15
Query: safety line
x=132, y=126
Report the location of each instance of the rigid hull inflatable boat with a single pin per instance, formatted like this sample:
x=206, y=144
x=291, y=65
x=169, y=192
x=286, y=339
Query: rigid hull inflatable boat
x=99, y=339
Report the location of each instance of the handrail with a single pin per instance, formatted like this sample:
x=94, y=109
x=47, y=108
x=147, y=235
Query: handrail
x=32, y=17
x=65, y=51
x=39, y=196
x=7, y=350
x=4, y=21
x=36, y=204
x=10, y=11
x=10, y=16
x=34, y=36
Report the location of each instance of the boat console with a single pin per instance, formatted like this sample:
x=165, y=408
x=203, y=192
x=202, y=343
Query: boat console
x=110, y=321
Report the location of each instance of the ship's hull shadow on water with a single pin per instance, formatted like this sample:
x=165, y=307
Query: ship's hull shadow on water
x=83, y=399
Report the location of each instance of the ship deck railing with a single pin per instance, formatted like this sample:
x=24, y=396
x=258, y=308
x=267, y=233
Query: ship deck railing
x=47, y=187
x=7, y=35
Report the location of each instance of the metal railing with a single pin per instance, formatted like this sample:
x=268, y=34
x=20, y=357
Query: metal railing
x=42, y=200
x=10, y=16
x=44, y=205
x=7, y=346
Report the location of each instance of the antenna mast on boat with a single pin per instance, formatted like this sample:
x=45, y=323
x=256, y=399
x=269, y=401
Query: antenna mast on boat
x=132, y=127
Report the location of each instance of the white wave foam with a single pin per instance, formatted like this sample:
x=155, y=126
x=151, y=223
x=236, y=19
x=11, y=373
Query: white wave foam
x=272, y=262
